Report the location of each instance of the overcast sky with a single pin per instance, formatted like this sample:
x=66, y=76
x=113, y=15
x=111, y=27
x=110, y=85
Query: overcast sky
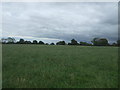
x=51, y=22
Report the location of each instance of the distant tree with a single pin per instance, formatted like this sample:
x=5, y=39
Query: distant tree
x=17, y=42
x=46, y=44
x=94, y=41
x=21, y=41
x=100, y=42
x=73, y=42
x=4, y=40
x=41, y=42
x=60, y=43
x=52, y=44
x=69, y=43
x=118, y=42
x=85, y=44
x=10, y=40
x=114, y=44
x=35, y=42
x=27, y=42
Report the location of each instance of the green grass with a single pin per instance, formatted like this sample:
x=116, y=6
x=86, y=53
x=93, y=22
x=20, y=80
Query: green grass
x=45, y=66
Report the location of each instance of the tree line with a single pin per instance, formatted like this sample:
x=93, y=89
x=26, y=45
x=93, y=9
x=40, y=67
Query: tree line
x=95, y=42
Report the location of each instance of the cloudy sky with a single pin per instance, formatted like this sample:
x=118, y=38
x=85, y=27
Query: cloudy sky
x=52, y=22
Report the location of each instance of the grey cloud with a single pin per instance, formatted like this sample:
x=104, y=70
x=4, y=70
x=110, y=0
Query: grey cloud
x=64, y=21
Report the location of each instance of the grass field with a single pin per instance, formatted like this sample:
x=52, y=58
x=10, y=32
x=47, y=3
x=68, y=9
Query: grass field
x=47, y=66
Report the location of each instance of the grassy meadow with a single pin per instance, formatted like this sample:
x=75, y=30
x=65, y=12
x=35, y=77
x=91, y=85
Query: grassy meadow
x=52, y=66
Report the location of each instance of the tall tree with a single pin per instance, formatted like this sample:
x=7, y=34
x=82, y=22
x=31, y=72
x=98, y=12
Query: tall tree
x=41, y=42
x=46, y=44
x=100, y=42
x=60, y=43
x=4, y=40
x=52, y=44
x=94, y=41
x=35, y=42
x=27, y=42
x=114, y=44
x=21, y=41
x=10, y=40
x=74, y=42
